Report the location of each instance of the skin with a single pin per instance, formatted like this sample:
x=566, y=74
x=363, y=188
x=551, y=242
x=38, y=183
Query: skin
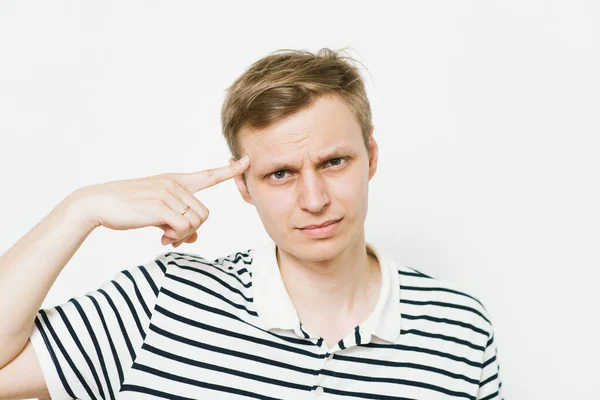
x=332, y=282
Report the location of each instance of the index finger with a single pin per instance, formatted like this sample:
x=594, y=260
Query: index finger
x=196, y=181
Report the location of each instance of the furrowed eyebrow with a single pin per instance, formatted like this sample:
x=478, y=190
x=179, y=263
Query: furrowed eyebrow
x=335, y=153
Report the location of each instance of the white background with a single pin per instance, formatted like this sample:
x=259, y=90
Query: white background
x=486, y=114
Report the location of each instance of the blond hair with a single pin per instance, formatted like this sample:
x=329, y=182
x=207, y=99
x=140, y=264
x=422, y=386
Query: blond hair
x=286, y=81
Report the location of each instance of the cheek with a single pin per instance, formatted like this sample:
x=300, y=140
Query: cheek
x=273, y=205
x=351, y=190
x=353, y=194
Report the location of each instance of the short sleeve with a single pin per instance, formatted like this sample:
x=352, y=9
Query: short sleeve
x=85, y=345
x=490, y=383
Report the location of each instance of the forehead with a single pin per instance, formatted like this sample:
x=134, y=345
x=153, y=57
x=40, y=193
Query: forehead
x=327, y=125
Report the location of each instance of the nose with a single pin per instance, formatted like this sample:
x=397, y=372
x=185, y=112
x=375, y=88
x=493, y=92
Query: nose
x=313, y=196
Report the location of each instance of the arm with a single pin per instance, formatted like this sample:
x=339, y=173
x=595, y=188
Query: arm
x=35, y=262
x=22, y=378
x=490, y=382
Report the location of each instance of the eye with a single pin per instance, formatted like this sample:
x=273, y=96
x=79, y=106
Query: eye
x=336, y=164
x=278, y=175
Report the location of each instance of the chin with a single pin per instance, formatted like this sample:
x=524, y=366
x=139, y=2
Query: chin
x=315, y=249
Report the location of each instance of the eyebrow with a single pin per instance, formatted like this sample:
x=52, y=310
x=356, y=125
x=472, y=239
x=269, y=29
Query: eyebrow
x=279, y=165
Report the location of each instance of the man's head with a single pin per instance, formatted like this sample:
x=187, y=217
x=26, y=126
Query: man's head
x=305, y=122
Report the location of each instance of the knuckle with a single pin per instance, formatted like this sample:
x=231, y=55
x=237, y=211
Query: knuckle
x=203, y=209
x=158, y=203
x=202, y=216
x=165, y=195
x=194, y=220
x=171, y=183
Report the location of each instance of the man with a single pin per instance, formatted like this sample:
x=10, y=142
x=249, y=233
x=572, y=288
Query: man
x=316, y=312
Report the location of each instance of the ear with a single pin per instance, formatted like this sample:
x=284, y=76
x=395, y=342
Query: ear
x=241, y=185
x=373, y=160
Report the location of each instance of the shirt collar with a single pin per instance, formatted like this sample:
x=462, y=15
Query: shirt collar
x=276, y=310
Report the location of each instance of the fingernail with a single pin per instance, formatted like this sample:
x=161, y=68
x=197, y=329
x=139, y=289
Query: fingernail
x=243, y=160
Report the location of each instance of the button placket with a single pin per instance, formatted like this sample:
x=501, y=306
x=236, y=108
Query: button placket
x=319, y=381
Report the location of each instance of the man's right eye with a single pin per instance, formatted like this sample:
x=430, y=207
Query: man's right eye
x=278, y=174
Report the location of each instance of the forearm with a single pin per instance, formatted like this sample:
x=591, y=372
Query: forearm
x=30, y=267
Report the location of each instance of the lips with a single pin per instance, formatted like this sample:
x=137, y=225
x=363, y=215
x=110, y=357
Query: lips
x=331, y=221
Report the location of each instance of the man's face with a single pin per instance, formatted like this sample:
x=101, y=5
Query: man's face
x=307, y=169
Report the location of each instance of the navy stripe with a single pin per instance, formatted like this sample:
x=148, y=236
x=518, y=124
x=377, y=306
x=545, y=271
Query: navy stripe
x=491, y=396
x=306, y=335
x=85, y=355
x=229, y=371
x=59, y=370
x=402, y=364
x=365, y=395
x=149, y=279
x=490, y=342
x=161, y=266
x=488, y=362
x=439, y=289
x=205, y=289
x=214, y=267
x=239, y=256
x=113, y=350
x=153, y=392
x=426, y=351
x=214, y=278
x=415, y=272
x=488, y=380
x=444, y=304
x=65, y=354
x=230, y=352
x=218, y=311
x=131, y=308
x=90, y=330
x=442, y=337
x=232, y=334
x=446, y=321
x=195, y=382
x=399, y=381
x=121, y=324
x=138, y=294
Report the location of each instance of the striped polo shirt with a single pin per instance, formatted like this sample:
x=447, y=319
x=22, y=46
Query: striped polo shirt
x=186, y=327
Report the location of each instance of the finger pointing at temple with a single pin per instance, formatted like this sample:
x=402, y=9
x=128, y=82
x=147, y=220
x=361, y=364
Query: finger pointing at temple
x=196, y=181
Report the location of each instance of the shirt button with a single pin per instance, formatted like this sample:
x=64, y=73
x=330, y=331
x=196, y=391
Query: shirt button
x=319, y=390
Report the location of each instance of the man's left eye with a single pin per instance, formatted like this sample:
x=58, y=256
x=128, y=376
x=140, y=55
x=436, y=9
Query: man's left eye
x=340, y=159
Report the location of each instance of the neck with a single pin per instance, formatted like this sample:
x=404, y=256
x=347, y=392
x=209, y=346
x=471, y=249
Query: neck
x=343, y=289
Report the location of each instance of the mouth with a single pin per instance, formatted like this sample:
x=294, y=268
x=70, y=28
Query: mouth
x=324, y=224
x=321, y=231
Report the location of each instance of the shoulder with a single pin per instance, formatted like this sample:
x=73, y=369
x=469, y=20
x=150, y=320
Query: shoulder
x=440, y=299
x=230, y=268
x=233, y=261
